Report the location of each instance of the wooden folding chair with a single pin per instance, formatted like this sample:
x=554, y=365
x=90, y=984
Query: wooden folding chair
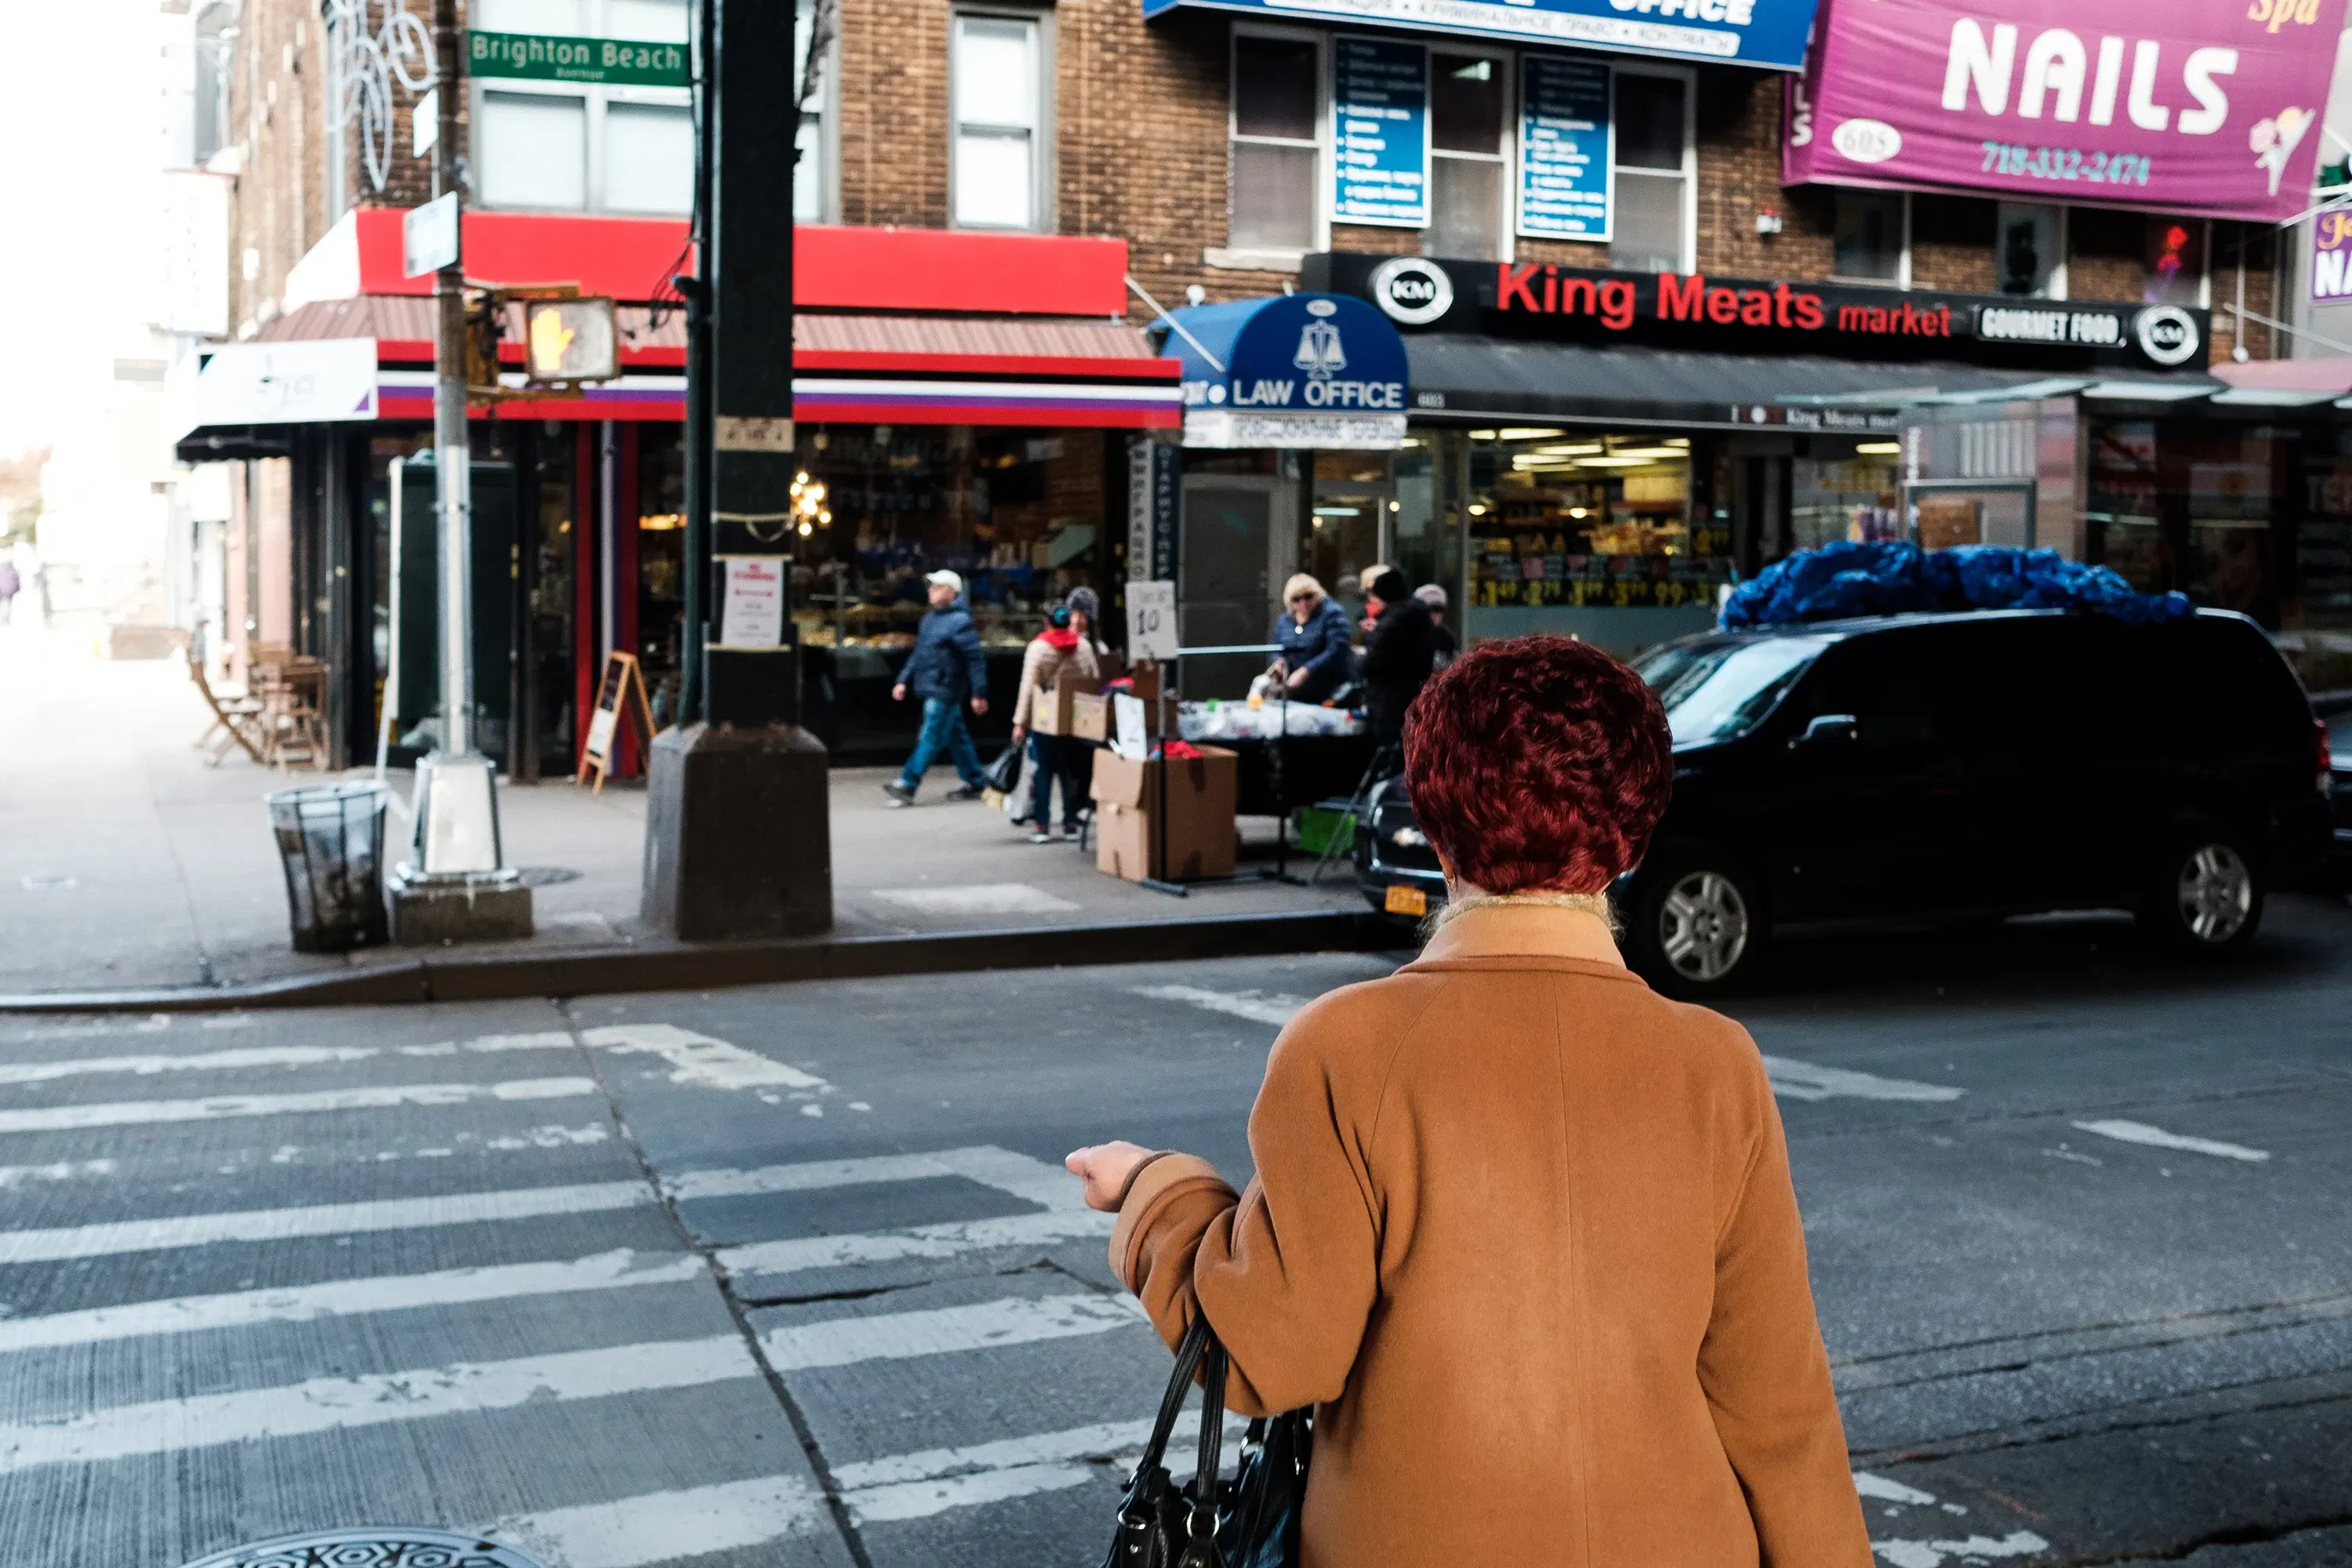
x=237, y=721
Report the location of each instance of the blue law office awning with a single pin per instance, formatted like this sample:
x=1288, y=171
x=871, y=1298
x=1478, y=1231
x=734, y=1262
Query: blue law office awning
x=1294, y=370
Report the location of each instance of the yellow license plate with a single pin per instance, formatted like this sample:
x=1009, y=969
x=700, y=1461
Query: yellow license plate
x=1404, y=900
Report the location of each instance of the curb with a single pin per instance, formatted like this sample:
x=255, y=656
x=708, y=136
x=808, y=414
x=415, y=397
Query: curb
x=614, y=971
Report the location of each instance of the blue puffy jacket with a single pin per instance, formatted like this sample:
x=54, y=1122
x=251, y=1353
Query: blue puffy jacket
x=1319, y=647
x=947, y=662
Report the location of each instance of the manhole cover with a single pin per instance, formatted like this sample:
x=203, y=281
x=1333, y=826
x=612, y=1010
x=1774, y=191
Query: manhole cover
x=546, y=876
x=397, y=1547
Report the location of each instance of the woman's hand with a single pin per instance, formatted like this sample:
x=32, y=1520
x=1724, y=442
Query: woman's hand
x=1107, y=1169
x=1297, y=679
x=1020, y=732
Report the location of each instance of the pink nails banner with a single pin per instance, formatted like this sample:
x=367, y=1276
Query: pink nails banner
x=2208, y=107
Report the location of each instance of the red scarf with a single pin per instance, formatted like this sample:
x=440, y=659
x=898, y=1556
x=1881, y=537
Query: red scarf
x=1063, y=638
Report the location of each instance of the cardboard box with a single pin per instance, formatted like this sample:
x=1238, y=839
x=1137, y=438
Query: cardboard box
x=1090, y=717
x=1057, y=714
x=1201, y=792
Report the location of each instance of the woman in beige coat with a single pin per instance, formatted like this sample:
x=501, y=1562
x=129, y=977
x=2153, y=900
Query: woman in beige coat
x=1066, y=646
x=1521, y=1230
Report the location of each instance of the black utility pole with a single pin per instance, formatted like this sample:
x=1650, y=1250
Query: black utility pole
x=737, y=835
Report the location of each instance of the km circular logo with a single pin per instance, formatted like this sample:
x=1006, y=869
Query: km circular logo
x=1411, y=290
x=2167, y=334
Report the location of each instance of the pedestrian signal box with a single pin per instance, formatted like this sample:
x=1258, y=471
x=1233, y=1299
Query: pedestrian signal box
x=569, y=342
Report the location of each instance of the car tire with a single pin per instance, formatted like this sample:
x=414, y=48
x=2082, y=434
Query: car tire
x=2204, y=898
x=1696, y=925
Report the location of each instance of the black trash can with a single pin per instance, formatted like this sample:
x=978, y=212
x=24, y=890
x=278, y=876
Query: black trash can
x=330, y=839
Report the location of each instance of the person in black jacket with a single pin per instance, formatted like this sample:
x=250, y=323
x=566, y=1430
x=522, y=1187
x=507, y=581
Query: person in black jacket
x=947, y=671
x=1399, y=650
x=1443, y=640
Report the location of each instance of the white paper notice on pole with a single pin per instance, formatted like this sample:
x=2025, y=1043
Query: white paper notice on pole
x=1127, y=710
x=1150, y=621
x=429, y=236
x=751, y=609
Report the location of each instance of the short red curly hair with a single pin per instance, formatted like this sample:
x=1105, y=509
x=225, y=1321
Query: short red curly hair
x=1538, y=763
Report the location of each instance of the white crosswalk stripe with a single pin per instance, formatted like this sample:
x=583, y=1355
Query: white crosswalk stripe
x=1037, y=1204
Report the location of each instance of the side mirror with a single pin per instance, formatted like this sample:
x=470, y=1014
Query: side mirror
x=1828, y=728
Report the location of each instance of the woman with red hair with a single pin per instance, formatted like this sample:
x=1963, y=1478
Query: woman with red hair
x=1521, y=1230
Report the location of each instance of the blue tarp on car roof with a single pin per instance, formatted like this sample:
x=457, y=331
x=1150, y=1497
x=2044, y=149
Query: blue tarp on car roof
x=1890, y=577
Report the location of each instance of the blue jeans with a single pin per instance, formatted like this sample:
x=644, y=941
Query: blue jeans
x=1049, y=761
x=943, y=730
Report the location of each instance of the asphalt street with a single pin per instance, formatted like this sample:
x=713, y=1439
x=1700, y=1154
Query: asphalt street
x=792, y=1275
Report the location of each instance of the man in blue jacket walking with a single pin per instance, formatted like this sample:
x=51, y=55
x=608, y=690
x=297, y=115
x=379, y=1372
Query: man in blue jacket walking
x=946, y=671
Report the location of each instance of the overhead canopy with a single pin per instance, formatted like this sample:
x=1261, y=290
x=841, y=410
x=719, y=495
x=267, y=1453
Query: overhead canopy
x=1294, y=370
x=1467, y=376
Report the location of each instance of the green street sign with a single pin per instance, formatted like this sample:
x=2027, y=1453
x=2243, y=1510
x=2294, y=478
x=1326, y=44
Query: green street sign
x=553, y=57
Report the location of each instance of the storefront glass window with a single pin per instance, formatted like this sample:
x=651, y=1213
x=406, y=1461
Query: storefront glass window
x=661, y=562
x=1571, y=519
x=1846, y=496
x=2176, y=261
x=554, y=541
x=1466, y=127
x=1425, y=537
x=1021, y=514
x=2192, y=507
x=2124, y=524
x=1274, y=145
x=1352, y=492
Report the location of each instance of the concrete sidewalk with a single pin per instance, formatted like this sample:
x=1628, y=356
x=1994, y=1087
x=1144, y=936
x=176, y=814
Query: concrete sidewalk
x=126, y=863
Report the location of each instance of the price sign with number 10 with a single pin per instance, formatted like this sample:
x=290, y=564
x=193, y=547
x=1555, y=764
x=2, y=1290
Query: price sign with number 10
x=1151, y=621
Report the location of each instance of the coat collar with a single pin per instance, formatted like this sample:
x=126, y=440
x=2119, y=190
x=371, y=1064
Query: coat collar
x=1524, y=931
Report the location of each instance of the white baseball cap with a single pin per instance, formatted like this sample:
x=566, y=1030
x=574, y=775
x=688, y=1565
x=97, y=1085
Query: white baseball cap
x=946, y=579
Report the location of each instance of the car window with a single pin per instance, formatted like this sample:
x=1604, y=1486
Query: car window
x=1717, y=692
x=1898, y=686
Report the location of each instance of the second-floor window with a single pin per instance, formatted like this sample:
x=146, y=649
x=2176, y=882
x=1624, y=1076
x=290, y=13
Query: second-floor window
x=997, y=82
x=1276, y=150
x=568, y=147
x=2029, y=251
x=1871, y=242
x=1652, y=223
x=1469, y=123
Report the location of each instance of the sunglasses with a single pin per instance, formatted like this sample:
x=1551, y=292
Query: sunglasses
x=1302, y=598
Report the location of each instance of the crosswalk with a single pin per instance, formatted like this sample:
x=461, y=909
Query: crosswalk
x=434, y=1268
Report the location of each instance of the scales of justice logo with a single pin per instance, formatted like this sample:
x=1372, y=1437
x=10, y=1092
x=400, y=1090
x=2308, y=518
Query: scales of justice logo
x=1319, y=354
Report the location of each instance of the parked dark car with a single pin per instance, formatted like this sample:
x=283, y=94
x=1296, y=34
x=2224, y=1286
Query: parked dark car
x=1931, y=767
x=2339, y=746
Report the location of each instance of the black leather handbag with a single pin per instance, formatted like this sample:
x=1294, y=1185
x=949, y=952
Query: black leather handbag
x=1250, y=1521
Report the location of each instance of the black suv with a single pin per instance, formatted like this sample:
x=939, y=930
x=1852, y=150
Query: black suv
x=1938, y=766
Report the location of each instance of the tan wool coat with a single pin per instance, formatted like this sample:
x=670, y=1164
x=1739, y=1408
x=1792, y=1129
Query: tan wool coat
x=1042, y=665
x=1523, y=1232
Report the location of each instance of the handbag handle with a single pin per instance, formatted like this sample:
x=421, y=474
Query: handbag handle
x=1213, y=1436
x=1189, y=1352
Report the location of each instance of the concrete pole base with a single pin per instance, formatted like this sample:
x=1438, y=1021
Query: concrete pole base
x=428, y=912
x=738, y=838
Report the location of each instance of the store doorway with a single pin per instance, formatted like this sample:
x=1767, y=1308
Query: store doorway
x=1225, y=571
x=1347, y=525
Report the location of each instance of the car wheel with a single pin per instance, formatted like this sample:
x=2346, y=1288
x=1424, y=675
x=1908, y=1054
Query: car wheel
x=1697, y=925
x=2206, y=896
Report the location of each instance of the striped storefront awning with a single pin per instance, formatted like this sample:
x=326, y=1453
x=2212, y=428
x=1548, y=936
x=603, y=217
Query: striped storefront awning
x=846, y=369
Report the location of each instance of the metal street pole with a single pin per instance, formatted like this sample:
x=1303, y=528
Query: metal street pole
x=738, y=833
x=456, y=886
x=451, y=459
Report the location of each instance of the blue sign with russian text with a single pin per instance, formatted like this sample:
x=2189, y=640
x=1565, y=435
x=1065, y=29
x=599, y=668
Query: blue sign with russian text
x=1379, y=131
x=1564, y=152
x=1768, y=33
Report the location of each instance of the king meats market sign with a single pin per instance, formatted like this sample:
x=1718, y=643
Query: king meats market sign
x=1695, y=310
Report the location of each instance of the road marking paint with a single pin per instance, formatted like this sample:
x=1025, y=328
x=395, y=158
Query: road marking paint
x=1277, y=1010
x=342, y=1299
x=1870, y=1486
x=1803, y=1080
x=1975, y=1549
x=666, y=1527
x=204, y=1061
x=1034, y=1181
x=336, y=1404
x=56, y=1171
x=553, y=1136
x=488, y=1045
x=2157, y=1138
x=698, y=1058
x=921, y=1499
x=985, y=1325
x=326, y=1219
x=218, y=1106
x=979, y=899
x=952, y=1240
